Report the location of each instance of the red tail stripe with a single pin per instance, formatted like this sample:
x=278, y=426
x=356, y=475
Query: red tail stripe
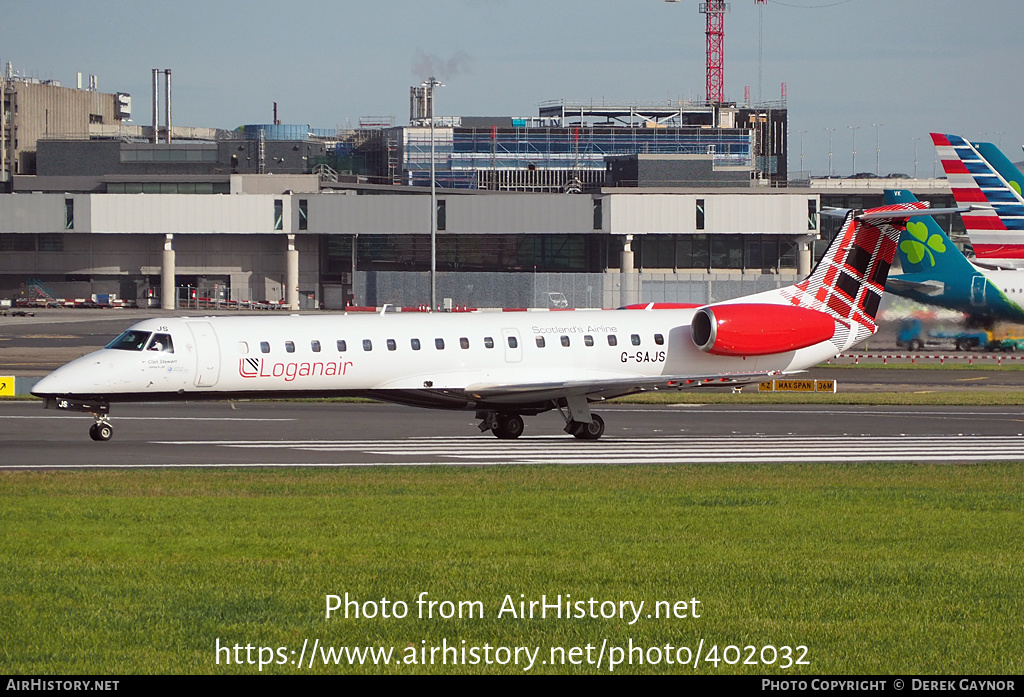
x=1000, y=251
x=954, y=167
x=983, y=222
x=940, y=139
x=969, y=195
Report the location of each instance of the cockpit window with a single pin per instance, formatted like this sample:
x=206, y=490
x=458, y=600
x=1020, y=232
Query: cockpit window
x=161, y=343
x=130, y=340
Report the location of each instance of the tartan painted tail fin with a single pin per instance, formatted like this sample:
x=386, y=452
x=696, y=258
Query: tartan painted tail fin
x=849, y=280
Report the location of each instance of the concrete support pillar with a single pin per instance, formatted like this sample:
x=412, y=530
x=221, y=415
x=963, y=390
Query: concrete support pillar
x=291, y=284
x=803, y=261
x=630, y=286
x=168, y=293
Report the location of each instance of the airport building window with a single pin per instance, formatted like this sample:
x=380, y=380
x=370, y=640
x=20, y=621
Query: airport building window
x=442, y=215
x=315, y=345
x=264, y=347
x=69, y=214
x=51, y=243
x=392, y=346
x=540, y=342
x=727, y=251
x=564, y=339
x=367, y=345
x=289, y=346
x=168, y=188
x=342, y=347
x=415, y=343
x=612, y=341
x=657, y=251
x=634, y=339
x=464, y=342
x=278, y=214
x=588, y=340
x=700, y=214
x=17, y=243
x=303, y=214
x=693, y=252
x=488, y=342
x=473, y=252
x=439, y=344
x=598, y=213
x=812, y=214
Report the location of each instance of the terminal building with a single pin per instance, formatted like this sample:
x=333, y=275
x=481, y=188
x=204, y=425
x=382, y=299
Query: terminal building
x=581, y=206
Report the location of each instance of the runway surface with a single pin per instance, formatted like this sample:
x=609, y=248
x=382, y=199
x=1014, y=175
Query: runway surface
x=356, y=435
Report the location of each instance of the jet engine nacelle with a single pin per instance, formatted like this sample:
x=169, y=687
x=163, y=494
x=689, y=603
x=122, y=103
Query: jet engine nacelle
x=758, y=330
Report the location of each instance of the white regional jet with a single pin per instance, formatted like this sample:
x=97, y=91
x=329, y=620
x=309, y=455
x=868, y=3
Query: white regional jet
x=503, y=365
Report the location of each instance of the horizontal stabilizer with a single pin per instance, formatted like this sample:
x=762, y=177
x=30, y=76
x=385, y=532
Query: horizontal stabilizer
x=898, y=285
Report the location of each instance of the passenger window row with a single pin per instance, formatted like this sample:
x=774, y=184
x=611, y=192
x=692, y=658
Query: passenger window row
x=464, y=343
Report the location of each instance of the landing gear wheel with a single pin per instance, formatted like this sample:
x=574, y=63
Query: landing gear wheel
x=591, y=431
x=508, y=426
x=101, y=431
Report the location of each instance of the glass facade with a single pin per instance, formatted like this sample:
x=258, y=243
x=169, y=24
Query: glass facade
x=460, y=154
x=685, y=252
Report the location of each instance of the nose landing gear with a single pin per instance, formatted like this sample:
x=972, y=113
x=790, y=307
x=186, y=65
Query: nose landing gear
x=101, y=430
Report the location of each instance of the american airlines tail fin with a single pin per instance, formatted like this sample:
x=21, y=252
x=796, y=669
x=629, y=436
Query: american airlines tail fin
x=981, y=177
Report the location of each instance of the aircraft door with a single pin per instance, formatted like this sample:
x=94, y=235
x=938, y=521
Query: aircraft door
x=513, y=345
x=978, y=284
x=207, y=354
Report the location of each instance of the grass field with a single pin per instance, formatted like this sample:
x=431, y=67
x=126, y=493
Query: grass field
x=875, y=569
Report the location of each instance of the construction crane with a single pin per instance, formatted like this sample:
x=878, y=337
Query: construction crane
x=716, y=11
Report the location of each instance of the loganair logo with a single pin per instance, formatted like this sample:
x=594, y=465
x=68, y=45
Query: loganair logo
x=922, y=244
x=261, y=368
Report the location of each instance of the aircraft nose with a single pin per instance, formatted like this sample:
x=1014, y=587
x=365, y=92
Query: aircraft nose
x=45, y=387
x=79, y=376
x=55, y=383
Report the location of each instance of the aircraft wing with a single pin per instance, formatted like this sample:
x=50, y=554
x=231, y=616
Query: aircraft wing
x=608, y=388
x=894, y=283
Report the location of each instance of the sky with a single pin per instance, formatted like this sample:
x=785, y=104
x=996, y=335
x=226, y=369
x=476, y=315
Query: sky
x=881, y=73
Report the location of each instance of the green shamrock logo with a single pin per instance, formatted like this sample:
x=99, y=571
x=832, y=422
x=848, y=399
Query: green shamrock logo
x=916, y=248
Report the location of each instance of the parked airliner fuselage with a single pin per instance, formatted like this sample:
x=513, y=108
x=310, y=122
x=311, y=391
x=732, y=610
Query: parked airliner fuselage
x=453, y=361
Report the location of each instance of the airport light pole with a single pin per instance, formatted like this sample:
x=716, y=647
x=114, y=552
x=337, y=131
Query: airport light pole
x=915, y=139
x=802, y=151
x=853, y=149
x=830, y=132
x=877, y=126
x=430, y=83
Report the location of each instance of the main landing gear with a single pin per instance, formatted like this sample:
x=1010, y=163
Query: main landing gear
x=579, y=422
x=502, y=424
x=586, y=431
x=101, y=430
